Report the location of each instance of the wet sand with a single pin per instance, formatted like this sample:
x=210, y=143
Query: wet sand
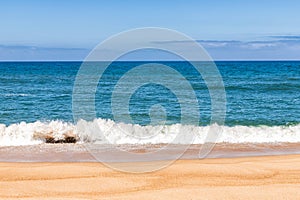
x=108, y=153
x=264, y=177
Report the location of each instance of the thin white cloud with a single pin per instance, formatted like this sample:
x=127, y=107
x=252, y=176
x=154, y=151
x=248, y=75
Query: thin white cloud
x=33, y=53
x=278, y=48
x=253, y=50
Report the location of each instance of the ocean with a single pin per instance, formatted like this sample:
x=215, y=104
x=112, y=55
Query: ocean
x=262, y=103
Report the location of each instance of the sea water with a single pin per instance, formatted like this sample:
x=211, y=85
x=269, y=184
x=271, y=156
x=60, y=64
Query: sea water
x=262, y=103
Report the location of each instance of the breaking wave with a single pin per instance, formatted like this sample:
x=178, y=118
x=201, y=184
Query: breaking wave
x=120, y=133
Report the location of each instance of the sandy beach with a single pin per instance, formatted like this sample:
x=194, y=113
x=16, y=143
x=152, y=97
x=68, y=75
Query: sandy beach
x=265, y=177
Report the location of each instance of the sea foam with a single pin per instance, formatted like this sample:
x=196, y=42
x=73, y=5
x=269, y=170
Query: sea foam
x=107, y=131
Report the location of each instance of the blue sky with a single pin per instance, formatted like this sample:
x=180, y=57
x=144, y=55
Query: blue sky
x=229, y=30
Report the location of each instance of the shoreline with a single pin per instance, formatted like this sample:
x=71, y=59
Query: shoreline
x=263, y=177
x=109, y=153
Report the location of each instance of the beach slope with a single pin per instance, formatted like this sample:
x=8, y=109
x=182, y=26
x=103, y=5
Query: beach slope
x=266, y=177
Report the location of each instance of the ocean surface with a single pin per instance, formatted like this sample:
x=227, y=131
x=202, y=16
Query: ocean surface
x=262, y=103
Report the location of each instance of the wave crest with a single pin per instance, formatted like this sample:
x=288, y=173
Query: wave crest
x=120, y=133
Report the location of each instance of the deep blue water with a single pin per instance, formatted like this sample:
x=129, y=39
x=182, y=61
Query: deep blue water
x=257, y=93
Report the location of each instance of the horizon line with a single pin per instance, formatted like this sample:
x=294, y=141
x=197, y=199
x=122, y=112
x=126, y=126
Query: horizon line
x=217, y=60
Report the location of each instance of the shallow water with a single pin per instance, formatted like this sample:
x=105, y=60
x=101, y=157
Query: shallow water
x=108, y=153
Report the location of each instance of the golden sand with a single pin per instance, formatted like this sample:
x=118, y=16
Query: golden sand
x=268, y=177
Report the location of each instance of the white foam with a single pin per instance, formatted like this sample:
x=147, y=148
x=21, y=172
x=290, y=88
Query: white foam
x=24, y=133
x=120, y=133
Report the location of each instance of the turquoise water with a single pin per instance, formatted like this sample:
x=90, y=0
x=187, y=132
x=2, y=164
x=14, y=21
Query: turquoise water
x=258, y=93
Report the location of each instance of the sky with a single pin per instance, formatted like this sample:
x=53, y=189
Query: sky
x=228, y=30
